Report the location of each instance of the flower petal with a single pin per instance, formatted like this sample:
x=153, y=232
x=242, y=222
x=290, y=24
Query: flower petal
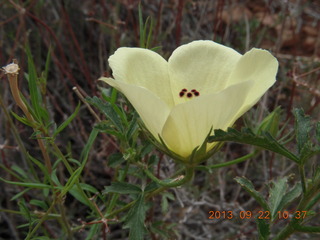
x=258, y=66
x=201, y=65
x=142, y=67
x=152, y=110
x=188, y=124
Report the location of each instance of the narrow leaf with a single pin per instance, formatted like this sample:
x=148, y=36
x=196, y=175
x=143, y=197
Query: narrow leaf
x=19, y=194
x=133, y=127
x=76, y=193
x=32, y=81
x=122, y=188
x=22, y=120
x=46, y=69
x=148, y=40
x=141, y=27
x=71, y=181
x=39, y=203
x=30, y=185
x=88, y=187
x=20, y=171
x=85, y=152
x=66, y=122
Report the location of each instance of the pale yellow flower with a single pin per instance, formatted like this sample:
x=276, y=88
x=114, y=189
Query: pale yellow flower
x=203, y=86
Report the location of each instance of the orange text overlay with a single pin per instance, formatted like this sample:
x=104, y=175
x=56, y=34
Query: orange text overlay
x=258, y=214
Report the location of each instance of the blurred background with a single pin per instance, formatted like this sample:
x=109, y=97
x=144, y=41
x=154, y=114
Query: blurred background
x=81, y=35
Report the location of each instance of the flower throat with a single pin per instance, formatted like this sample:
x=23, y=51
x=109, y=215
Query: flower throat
x=189, y=94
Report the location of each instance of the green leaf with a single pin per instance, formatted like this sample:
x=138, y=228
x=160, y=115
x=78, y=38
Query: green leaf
x=133, y=127
x=246, y=136
x=71, y=181
x=42, y=167
x=76, y=193
x=247, y=185
x=115, y=160
x=151, y=187
x=39, y=203
x=107, y=110
x=302, y=127
x=22, y=120
x=279, y=197
x=20, y=171
x=88, y=188
x=149, y=38
x=27, y=184
x=277, y=192
x=55, y=178
x=19, y=194
x=35, y=95
x=46, y=69
x=263, y=229
x=94, y=231
x=135, y=219
x=270, y=123
x=165, y=202
x=24, y=210
x=86, y=150
x=308, y=151
x=141, y=27
x=122, y=188
x=66, y=122
x=290, y=196
x=160, y=228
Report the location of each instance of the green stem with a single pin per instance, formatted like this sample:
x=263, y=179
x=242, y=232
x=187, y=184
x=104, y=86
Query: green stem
x=235, y=161
x=63, y=158
x=189, y=171
x=110, y=215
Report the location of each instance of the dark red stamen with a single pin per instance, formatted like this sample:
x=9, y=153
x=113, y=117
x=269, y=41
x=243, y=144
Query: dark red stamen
x=181, y=94
x=196, y=93
x=193, y=90
x=189, y=94
x=184, y=90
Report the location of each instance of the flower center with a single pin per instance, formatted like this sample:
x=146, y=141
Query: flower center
x=188, y=94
